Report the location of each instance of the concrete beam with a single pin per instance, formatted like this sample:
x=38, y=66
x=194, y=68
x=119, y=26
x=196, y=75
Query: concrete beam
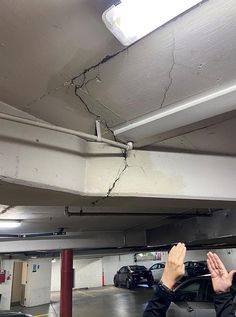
x=79, y=242
x=35, y=158
x=221, y=226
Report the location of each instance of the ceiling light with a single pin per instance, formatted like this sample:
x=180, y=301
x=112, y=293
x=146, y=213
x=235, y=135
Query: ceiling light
x=9, y=224
x=130, y=20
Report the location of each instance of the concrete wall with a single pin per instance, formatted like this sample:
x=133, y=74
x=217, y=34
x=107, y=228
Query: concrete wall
x=227, y=255
x=37, y=289
x=5, y=288
x=56, y=276
x=111, y=264
x=88, y=273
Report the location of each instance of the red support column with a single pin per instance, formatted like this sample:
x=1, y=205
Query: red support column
x=66, y=283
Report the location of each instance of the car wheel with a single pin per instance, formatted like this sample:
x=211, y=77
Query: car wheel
x=116, y=284
x=129, y=284
x=150, y=283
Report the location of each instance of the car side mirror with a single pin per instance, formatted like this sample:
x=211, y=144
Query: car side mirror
x=118, y=272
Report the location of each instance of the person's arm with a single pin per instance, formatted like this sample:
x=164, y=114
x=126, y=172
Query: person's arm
x=164, y=293
x=222, y=282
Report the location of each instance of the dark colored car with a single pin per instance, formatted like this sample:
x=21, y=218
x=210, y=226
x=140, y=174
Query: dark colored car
x=196, y=268
x=195, y=297
x=13, y=314
x=132, y=275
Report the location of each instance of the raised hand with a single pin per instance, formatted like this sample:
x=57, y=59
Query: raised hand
x=221, y=279
x=174, y=268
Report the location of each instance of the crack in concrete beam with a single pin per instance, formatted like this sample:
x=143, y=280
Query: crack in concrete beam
x=111, y=188
x=169, y=75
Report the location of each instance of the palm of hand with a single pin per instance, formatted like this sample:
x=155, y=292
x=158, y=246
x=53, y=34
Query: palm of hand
x=221, y=281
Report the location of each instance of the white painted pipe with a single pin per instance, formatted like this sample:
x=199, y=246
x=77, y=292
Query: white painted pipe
x=79, y=134
x=183, y=113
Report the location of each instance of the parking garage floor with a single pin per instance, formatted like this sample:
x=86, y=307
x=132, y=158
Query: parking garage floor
x=99, y=302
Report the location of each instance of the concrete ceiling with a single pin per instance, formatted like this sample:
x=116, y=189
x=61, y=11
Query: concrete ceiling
x=38, y=219
x=49, y=42
x=45, y=44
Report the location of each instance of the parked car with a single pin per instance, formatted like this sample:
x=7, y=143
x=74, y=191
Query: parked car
x=13, y=314
x=194, y=297
x=157, y=271
x=196, y=268
x=132, y=275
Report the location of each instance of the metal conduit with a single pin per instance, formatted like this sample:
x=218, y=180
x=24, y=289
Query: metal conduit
x=81, y=213
x=85, y=136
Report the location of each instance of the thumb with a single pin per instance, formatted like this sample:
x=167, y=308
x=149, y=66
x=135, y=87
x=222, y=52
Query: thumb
x=231, y=274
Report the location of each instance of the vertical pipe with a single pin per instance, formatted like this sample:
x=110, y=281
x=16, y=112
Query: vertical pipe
x=66, y=283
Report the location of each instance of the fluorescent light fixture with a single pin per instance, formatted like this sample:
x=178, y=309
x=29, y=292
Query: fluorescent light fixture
x=130, y=20
x=9, y=224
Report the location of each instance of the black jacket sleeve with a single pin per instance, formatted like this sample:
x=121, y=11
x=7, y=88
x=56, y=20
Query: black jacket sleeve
x=159, y=303
x=224, y=304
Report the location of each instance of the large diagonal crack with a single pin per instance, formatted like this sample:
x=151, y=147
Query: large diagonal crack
x=74, y=82
x=111, y=188
x=170, y=81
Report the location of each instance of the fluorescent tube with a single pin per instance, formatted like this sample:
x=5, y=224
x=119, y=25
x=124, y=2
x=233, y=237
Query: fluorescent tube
x=130, y=20
x=9, y=224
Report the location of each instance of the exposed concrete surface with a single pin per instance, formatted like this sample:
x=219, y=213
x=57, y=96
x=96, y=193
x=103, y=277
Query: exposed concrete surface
x=100, y=302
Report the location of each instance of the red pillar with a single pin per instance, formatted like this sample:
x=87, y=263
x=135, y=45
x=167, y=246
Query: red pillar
x=66, y=283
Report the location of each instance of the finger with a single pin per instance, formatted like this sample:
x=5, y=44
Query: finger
x=178, y=250
x=231, y=274
x=212, y=259
x=209, y=265
x=220, y=264
x=182, y=253
x=170, y=255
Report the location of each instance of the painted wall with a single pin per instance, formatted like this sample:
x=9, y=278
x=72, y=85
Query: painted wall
x=111, y=264
x=227, y=255
x=56, y=276
x=88, y=273
x=38, y=287
x=5, y=288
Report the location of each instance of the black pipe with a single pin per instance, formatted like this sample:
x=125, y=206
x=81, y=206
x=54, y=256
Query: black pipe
x=60, y=232
x=81, y=213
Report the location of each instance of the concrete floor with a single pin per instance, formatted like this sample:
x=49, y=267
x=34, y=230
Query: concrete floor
x=98, y=302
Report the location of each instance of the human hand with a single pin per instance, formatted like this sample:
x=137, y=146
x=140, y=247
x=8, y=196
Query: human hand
x=221, y=279
x=174, y=268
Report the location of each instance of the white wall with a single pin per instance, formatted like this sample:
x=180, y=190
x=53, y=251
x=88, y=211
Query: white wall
x=88, y=273
x=37, y=289
x=111, y=264
x=56, y=276
x=5, y=288
x=228, y=256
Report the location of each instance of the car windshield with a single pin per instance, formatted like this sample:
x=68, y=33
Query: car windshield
x=138, y=268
